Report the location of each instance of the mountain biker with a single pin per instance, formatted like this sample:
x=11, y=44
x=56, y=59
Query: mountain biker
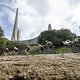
x=7, y=49
x=27, y=49
x=41, y=48
x=49, y=44
x=16, y=50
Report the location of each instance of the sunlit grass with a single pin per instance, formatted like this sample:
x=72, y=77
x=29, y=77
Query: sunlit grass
x=34, y=49
x=63, y=50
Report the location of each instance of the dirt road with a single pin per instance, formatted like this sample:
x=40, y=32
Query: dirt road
x=41, y=67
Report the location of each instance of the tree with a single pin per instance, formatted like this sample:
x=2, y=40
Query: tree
x=1, y=32
x=56, y=36
x=1, y=37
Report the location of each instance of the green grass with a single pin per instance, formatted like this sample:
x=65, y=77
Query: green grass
x=63, y=50
x=34, y=49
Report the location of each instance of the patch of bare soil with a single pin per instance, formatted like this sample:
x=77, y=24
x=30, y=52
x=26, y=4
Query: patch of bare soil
x=40, y=67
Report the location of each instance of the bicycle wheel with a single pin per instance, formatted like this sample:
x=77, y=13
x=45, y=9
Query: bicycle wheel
x=75, y=49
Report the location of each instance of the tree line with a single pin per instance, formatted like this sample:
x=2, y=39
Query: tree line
x=56, y=36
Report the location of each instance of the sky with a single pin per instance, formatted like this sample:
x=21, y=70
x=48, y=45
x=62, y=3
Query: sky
x=35, y=15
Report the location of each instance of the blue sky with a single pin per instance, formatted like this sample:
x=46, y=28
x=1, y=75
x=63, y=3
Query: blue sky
x=35, y=15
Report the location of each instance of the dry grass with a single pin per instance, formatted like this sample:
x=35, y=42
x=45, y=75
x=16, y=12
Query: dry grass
x=41, y=67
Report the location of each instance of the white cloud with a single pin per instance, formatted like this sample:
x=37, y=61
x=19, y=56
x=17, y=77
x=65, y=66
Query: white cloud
x=76, y=14
x=29, y=25
x=35, y=15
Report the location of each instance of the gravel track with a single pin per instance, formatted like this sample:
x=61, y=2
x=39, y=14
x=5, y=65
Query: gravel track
x=41, y=67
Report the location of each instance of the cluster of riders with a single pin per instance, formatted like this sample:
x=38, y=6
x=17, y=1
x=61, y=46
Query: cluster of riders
x=16, y=50
x=49, y=46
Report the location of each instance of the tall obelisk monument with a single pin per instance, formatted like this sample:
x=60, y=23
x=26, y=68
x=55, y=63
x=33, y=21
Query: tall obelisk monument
x=49, y=27
x=15, y=34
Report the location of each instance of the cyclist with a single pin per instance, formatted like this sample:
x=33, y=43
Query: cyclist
x=49, y=44
x=27, y=49
x=16, y=50
x=41, y=48
x=7, y=49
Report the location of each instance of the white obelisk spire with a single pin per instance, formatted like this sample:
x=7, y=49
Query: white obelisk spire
x=49, y=27
x=15, y=34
